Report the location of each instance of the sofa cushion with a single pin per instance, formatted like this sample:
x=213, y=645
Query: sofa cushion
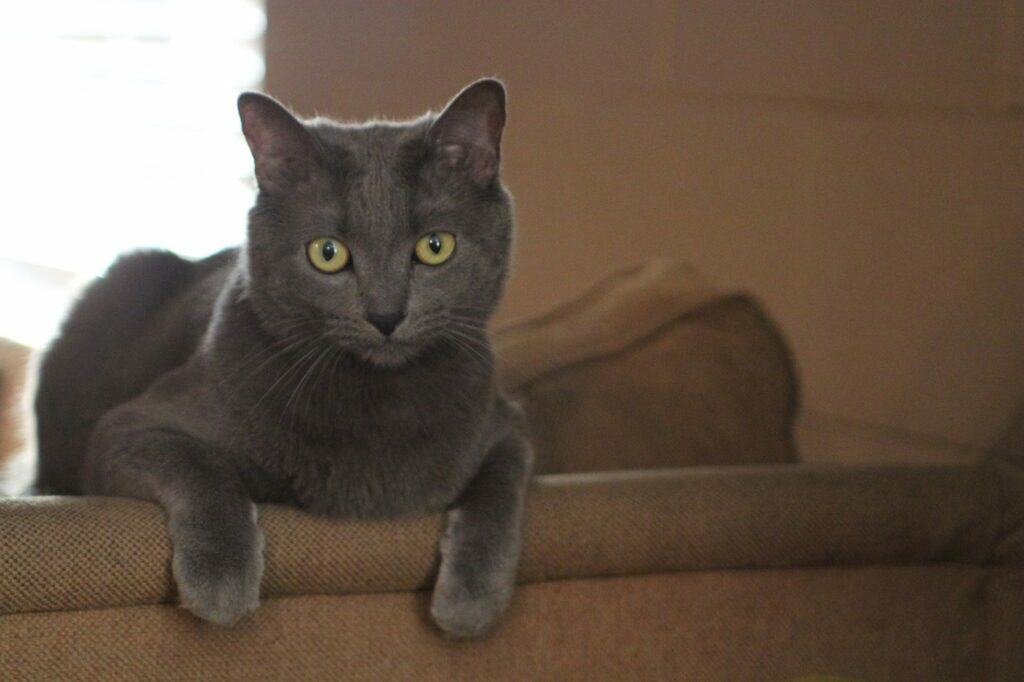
x=653, y=368
x=933, y=622
x=76, y=553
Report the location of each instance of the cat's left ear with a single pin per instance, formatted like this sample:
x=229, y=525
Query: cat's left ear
x=466, y=137
x=282, y=148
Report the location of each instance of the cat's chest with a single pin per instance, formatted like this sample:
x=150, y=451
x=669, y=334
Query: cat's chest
x=378, y=454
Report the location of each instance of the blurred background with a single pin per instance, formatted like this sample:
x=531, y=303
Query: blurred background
x=859, y=167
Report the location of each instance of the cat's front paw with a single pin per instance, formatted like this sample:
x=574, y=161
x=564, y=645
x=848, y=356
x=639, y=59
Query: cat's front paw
x=219, y=583
x=469, y=608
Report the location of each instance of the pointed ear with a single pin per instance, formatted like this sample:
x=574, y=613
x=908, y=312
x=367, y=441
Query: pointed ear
x=281, y=147
x=466, y=137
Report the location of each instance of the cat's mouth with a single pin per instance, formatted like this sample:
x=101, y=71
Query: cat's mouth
x=377, y=349
x=388, y=353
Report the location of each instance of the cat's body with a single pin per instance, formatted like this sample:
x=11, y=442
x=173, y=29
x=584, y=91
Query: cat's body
x=362, y=392
x=355, y=440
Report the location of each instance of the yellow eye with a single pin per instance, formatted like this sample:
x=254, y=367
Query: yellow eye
x=327, y=255
x=435, y=248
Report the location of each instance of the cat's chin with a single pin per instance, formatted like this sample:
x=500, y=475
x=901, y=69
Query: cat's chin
x=388, y=355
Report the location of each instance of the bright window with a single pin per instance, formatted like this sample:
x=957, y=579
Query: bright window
x=119, y=132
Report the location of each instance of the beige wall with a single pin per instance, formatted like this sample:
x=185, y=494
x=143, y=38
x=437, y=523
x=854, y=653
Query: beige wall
x=860, y=166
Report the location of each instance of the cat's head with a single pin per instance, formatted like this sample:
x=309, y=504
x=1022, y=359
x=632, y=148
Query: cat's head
x=389, y=238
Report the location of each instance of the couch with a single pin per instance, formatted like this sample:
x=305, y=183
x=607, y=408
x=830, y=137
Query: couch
x=673, y=532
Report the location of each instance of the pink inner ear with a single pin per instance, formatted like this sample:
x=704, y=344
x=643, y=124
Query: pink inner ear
x=255, y=132
x=483, y=165
x=467, y=134
x=278, y=170
x=453, y=155
x=479, y=162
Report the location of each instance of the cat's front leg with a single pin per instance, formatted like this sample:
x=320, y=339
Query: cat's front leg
x=217, y=546
x=481, y=543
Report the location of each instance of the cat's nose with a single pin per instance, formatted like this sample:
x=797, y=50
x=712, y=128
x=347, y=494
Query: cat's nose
x=386, y=322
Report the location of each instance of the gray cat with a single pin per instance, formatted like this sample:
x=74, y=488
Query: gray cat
x=338, y=361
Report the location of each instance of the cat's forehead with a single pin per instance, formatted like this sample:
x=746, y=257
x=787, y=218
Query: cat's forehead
x=371, y=170
x=370, y=144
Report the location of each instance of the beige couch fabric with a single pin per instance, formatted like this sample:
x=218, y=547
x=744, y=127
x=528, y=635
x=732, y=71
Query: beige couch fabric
x=739, y=573
x=85, y=553
x=914, y=623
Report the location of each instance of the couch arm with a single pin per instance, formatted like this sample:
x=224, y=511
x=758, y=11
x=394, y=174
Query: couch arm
x=82, y=553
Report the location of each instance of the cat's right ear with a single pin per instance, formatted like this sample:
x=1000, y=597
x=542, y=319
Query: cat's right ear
x=466, y=136
x=281, y=147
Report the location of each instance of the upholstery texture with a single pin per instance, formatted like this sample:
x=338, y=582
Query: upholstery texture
x=81, y=553
x=889, y=573
x=912, y=623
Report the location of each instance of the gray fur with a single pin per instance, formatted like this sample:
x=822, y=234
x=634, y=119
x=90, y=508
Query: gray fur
x=251, y=377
